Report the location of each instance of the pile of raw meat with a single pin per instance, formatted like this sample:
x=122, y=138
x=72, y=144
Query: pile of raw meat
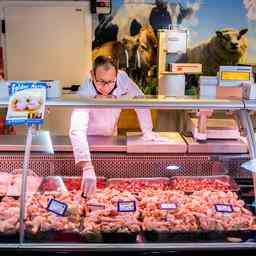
x=127, y=207
x=102, y=215
x=9, y=216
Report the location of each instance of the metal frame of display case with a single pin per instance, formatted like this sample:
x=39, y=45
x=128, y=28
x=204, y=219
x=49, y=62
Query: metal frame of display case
x=243, y=109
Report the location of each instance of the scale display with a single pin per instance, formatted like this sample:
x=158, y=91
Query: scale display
x=245, y=76
x=234, y=75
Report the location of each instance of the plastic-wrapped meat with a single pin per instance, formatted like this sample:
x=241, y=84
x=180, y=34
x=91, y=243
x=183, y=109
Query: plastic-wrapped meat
x=33, y=183
x=5, y=180
x=203, y=205
x=9, y=216
x=166, y=212
x=40, y=219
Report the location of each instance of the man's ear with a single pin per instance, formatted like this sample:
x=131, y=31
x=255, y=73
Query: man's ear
x=92, y=74
x=219, y=34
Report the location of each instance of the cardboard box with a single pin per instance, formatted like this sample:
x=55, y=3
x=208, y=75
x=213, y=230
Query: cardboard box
x=186, y=68
x=235, y=93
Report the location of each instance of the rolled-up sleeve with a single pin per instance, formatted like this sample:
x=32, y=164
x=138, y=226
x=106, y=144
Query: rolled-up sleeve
x=78, y=135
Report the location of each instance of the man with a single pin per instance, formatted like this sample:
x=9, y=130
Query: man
x=106, y=81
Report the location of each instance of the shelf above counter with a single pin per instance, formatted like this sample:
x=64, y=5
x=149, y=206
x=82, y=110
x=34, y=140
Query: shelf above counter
x=154, y=102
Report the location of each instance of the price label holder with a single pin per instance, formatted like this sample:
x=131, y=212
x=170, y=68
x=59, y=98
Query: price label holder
x=126, y=206
x=224, y=208
x=94, y=207
x=168, y=206
x=57, y=207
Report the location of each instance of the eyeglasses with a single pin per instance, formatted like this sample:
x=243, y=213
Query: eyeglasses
x=103, y=83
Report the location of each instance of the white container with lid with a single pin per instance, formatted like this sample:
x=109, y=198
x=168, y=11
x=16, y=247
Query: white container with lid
x=172, y=85
x=208, y=86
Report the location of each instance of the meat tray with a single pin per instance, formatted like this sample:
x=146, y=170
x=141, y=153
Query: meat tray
x=9, y=237
x=222, y=178
x=53, y=236
x=74, y=183
x=58, y=183
x=119, y=237
x=200, y=236
x=135, y=184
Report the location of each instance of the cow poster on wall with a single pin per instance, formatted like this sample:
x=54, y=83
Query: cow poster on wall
x=221, y=33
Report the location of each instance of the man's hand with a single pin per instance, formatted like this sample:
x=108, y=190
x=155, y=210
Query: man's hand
x=89, y=180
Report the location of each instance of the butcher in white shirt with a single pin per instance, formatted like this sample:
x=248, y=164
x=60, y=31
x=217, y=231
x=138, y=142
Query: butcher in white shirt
x=106, y=81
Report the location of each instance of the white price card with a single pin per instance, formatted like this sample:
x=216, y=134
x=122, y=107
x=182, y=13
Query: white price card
x=225, y=208
x=126, y=206
x=168, y=206
x=26, y=103
x=94, y=207
x=57, y=207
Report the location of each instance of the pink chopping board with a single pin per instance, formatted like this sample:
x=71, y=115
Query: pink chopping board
x=175, y=143
x=216, y=146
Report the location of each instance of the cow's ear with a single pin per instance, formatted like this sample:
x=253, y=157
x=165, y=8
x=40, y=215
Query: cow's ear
x=243, y=32
x=219, y=34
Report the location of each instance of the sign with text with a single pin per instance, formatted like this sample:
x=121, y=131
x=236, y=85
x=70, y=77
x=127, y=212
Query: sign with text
x=27, y=103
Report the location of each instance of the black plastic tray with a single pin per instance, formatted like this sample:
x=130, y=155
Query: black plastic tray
x=119, y=237
x=53, y=236
x=9, y=238
x=200, y=236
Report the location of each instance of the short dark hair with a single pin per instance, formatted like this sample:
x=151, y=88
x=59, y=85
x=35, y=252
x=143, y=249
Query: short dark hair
x=106, y=61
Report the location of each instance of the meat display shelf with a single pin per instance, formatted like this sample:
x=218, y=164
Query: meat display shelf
x=130, y=247
x=157, y=102
x=62, y=143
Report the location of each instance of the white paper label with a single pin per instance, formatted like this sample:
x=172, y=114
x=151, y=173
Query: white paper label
x=168, y=206
x=126, y=206
x=94, y=207
x=225, y=208
x=57, y=207
x=176, y=41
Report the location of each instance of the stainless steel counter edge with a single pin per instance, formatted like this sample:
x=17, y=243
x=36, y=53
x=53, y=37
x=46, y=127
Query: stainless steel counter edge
x=131, y=247
x=157, y=103
x=250, y=104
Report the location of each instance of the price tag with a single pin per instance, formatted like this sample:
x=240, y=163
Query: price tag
x=126, y=206
x=94, y=207
x=26, y=103
x=57, y=207
x=168, y=206
x=225, y=208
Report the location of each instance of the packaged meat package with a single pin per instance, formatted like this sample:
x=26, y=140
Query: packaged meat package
x=5, y=181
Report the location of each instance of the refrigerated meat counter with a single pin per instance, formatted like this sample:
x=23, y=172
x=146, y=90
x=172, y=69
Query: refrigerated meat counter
x=152, y=210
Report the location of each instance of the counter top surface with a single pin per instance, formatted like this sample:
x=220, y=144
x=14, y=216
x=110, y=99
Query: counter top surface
x=158, y=102
x=62, y=143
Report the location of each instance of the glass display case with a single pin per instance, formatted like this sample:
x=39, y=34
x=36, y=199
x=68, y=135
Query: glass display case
x=167, y=200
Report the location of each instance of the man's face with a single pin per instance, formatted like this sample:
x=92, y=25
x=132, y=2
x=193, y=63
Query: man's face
x=104, y=79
